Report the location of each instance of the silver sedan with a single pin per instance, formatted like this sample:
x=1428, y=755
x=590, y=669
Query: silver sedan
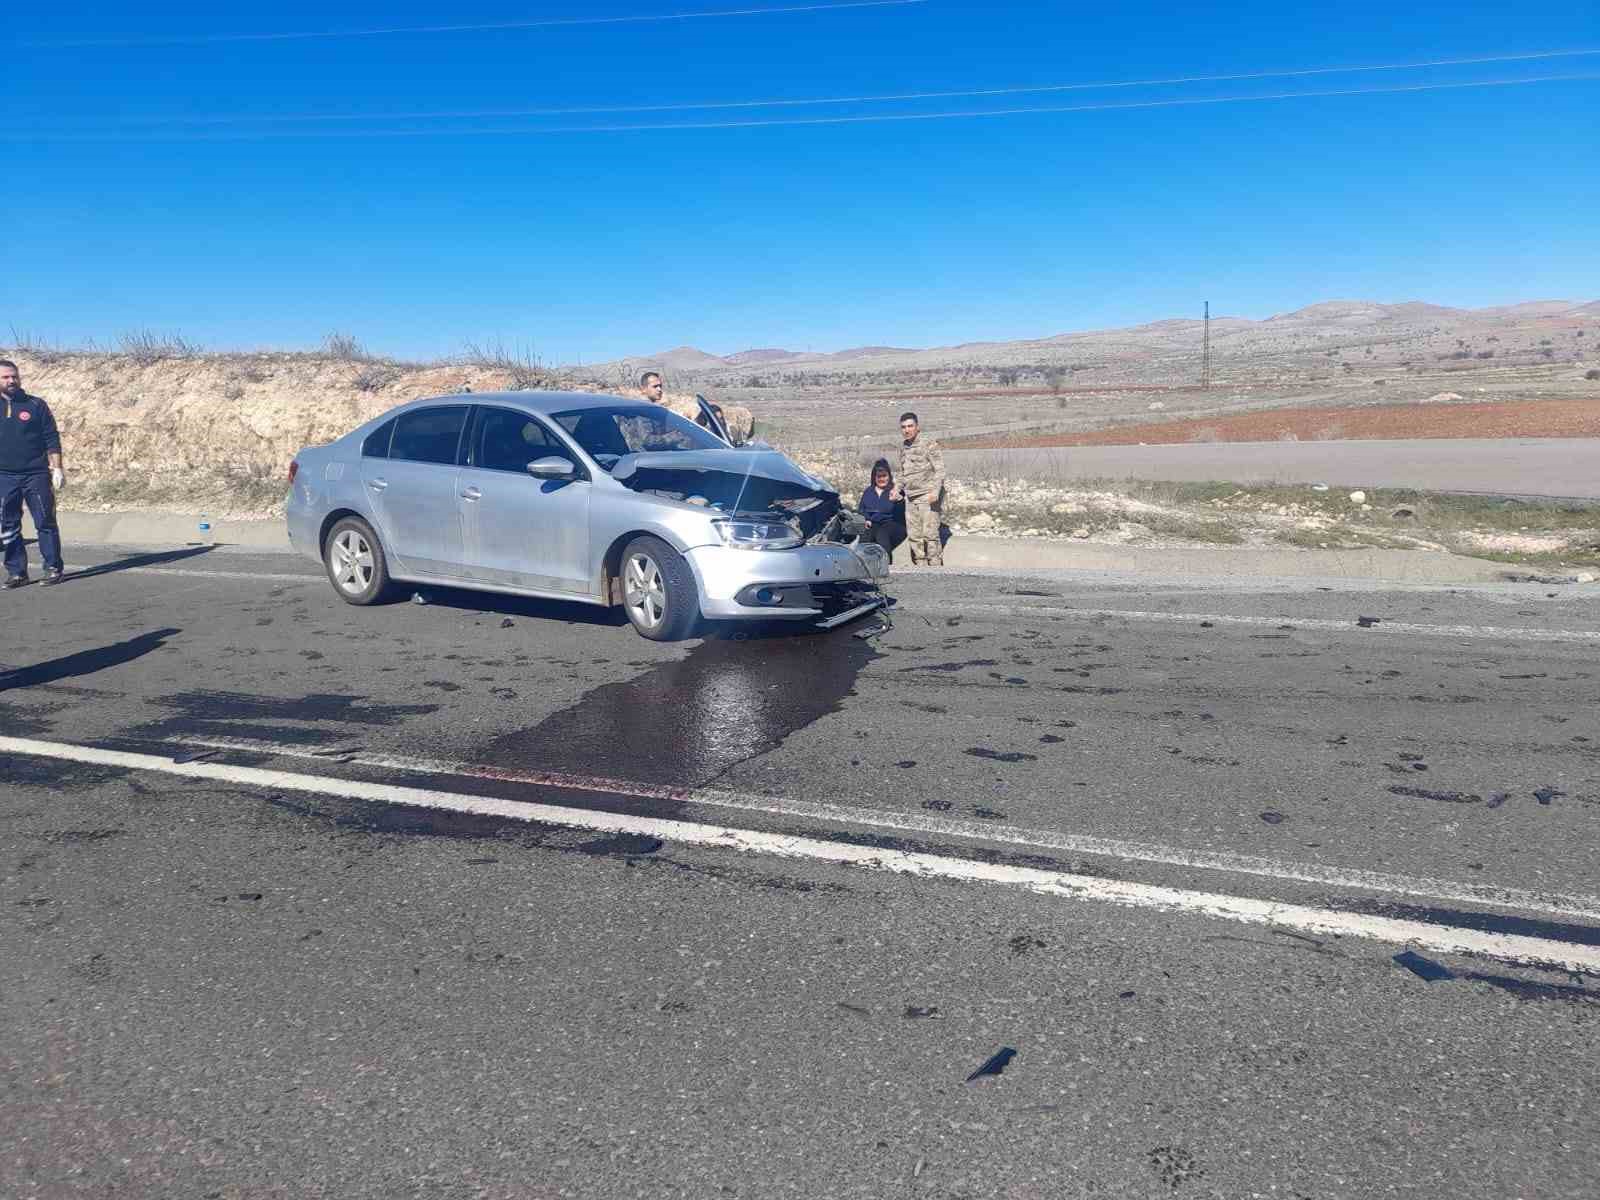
x=574, y=496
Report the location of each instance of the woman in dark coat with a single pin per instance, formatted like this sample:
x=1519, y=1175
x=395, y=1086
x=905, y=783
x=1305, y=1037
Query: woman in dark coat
x=886, y=516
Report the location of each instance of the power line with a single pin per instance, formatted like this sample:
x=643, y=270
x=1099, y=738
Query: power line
x=486, y=114
x=865, y=119
x=197, y=39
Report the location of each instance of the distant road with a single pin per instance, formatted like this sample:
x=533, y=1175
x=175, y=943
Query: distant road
x=1524, y=467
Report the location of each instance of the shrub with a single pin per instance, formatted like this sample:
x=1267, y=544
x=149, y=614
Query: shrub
x=523, y=366
x=345, y=348
x=145, y=346
x=373, y=377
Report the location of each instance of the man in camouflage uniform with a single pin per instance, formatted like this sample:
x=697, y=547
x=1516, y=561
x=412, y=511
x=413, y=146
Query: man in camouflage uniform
x=920, y=482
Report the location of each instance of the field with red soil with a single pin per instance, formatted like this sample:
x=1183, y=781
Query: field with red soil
x=1493, y=419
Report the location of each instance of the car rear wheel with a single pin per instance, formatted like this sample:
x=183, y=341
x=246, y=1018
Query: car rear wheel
x=355, y=562
x=658, y=591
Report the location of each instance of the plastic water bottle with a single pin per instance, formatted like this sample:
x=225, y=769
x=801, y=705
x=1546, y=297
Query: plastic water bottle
x=205, y=528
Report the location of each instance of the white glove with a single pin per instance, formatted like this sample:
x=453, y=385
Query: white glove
x=58, y=478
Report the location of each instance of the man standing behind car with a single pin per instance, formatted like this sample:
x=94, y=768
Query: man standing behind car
x=921, y=485
x=31, y=473
x=651, y=387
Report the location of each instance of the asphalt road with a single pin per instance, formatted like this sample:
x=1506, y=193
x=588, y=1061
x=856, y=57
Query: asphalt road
x=1561, y=467
x=1162, y=841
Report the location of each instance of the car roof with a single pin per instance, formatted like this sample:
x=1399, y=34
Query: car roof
x=539, y=402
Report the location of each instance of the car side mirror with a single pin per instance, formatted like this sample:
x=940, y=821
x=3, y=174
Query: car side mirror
x=552, y=467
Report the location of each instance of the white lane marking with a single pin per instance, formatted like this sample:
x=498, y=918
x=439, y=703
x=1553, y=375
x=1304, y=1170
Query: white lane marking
x=1381, y=626
x=1443, y=939
x=1423, y=887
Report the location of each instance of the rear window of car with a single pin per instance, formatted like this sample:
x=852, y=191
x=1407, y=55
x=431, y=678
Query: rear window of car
x=429, y=435
x=377, y=443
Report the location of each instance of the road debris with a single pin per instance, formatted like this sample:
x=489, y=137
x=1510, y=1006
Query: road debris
x=996, y=1063
x=1368, y=622
x=189, y=756
x=854, y=1009
x=1272, y=818
x=507, y=623
x=418, y=598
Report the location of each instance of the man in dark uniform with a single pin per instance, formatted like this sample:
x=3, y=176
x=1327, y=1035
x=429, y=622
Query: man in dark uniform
x=31, y=473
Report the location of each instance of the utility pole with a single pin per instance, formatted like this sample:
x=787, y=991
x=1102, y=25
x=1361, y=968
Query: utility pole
x=1205, y=352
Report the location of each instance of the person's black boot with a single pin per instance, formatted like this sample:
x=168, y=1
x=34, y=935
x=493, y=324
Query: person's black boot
x=15, y=581
x=52, y=577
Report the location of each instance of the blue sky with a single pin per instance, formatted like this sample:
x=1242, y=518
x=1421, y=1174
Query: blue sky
x=154, y=181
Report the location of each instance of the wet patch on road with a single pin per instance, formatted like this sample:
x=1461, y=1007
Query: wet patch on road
x=689, y=720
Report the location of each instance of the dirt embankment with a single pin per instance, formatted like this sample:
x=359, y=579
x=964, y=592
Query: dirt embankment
x=216, y=433
x=1443, y=418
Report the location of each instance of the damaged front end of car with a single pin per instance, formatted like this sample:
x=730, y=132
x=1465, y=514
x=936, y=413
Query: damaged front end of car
x=757, y=499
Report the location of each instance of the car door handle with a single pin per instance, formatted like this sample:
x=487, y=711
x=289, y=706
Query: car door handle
x=470, y=493
x=377, y=485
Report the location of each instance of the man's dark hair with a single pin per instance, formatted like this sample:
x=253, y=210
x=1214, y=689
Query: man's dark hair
x=6, y=362
x=644, y=380
x=909, y=416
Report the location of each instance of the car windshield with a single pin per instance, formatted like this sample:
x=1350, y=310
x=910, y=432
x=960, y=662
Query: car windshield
x=606, y=434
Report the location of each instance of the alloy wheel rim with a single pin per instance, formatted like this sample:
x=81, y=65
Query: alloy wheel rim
x=644, y=590
x=353, y=562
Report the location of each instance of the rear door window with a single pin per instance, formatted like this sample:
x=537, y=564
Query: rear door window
x=377, y=442
x=429, y=435
x=508, y=441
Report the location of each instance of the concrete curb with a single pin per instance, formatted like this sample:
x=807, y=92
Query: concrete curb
x=988, y=554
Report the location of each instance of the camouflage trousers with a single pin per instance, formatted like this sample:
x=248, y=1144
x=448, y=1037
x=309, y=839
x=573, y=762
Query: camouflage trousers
x=922, y=530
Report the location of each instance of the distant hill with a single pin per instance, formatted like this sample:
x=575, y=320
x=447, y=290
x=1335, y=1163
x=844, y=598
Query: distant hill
x=1315, y=328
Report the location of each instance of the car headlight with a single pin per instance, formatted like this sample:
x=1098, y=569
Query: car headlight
x=759, y=535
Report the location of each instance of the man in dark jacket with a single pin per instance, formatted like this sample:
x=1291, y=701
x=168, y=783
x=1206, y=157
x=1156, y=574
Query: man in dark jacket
x=31, y=473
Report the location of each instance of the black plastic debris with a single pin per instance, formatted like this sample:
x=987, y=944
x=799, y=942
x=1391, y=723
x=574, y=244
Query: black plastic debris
x=874, y=631
x=915, y=1012
x=1546, y=794
x=1272, y=818
x=1423, y=968
x=1368, y=622
x=854, y=1009
x=997, y=1063
x=189, y=756
x=507, y=623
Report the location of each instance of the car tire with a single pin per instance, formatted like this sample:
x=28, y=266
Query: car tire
x=355, y=562
x=658, y=591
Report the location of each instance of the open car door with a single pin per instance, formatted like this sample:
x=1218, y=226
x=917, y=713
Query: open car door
x=710, y=420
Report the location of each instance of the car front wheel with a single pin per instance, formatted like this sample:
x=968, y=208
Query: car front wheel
x=658, y=591
x=355, y=562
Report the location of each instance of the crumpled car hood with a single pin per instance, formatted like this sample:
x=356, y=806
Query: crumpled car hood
x=745, y=481
x=765, y=464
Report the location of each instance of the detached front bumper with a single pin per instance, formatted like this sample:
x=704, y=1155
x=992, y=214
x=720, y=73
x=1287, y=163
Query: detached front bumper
x=808, y=581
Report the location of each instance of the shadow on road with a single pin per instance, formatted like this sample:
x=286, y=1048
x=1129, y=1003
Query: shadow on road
x=85, y=662
x=154, y=558
x=562, y=611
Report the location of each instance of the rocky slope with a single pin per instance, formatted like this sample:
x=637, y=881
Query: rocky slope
x=216, y=432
